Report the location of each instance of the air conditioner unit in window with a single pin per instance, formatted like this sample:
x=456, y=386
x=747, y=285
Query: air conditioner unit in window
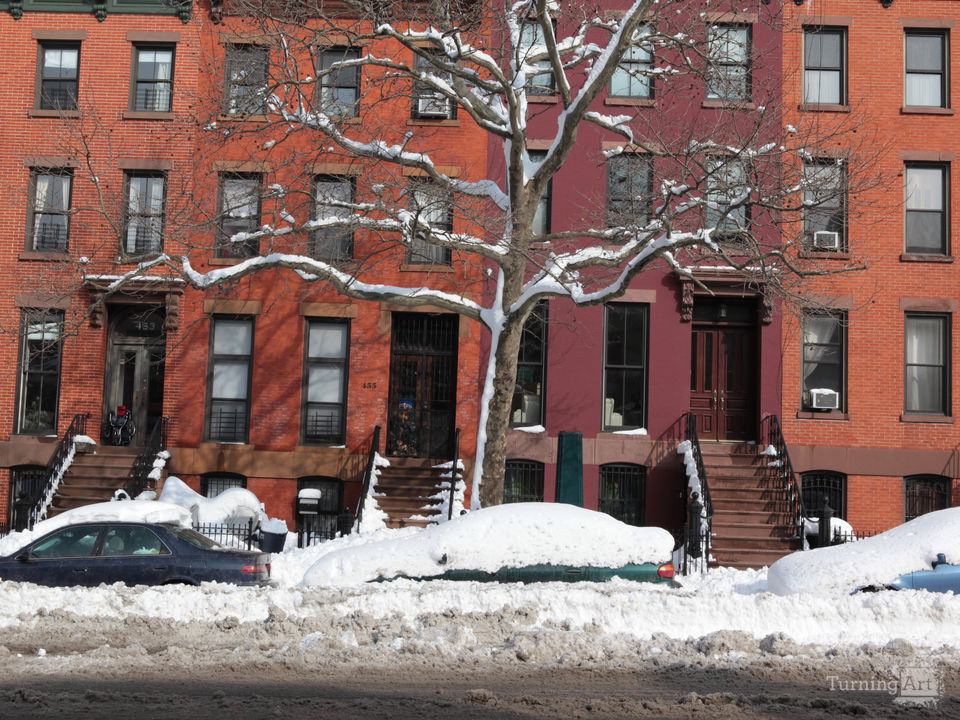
x=824, y=399
x=432, y=106
x=823, y=240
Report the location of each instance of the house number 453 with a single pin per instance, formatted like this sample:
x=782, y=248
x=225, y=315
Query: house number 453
x=371, y=385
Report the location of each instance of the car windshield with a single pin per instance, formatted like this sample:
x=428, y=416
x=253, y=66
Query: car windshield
x=196, y=539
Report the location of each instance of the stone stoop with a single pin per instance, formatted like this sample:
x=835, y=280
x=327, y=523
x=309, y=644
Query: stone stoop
x=751, y=519
x=93, y=477
x=404, y=491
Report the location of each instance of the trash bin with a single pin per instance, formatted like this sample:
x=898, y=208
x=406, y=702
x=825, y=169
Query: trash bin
x=272, y=542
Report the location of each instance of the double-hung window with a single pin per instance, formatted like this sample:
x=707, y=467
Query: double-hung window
x=529, y=392
x=333, y=196
x=245, y=91
x=727, y=201
x=728, y=63
x=50, y=210
x=153, y=78
x=239, y=215
x=229, y=381
x=629, y=190
x=925, y=77
x=824, y=206
x=541, y=218
x=633, y=76
x=339, y=84
x=926, y=209
x=625, y=365
x=824, y=360
x=926, y=373
x=146, y=200
x=540, y=80
x=41, y=339
x=325, y=382
x=432, y=206
x=59, y=76
x=429, y=103
x=825, y=65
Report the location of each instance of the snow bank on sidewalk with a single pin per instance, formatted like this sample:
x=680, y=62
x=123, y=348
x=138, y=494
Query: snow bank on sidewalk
x=232, y=506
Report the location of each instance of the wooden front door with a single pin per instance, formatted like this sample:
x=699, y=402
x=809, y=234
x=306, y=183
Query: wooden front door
x=723, y=382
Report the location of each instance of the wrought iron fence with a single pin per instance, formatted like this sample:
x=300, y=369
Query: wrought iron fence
x=314, y=529
x=238, y=536
x=4, y=530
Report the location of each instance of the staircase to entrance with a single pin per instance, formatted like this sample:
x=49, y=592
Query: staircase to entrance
x=404, y=490
x=752, y=522
x=93, y=478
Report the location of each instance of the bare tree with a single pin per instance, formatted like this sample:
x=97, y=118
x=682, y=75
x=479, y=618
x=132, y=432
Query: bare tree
x=730, y=188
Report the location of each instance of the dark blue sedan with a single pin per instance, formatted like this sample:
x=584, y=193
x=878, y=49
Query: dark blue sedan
x=132, y=553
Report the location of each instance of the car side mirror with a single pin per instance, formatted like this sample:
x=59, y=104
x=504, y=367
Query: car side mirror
x=941, y=560
x=24, y=556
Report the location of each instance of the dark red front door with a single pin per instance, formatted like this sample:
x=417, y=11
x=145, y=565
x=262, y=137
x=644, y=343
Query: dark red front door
x=723, y=382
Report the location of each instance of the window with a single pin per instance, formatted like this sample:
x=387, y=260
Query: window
x=819, y=485
x=146, y=196
x=824, y=361
x=325, y=382
x=69, y=542
x=625, y=366
x=339, y=86
x=728, y=63
x=121, y=541
x=541, y=218
x=229, y=383
x=633, y=77
x=926, y=382
x=528, y=394
x=428, y=102
x=923, y=494
x=318, y=518
x=727, y=209
x=246, y=80
x=824, y=206
x=59, y=76
x=522, y=481
x=212, y=484
x=926, y=231
x=27, y=483
x=333, y=195
x=41, y=340
x=432, y=206
x=825, y=66
x=239, y=215
x=153, y=78
x=50, y=210
x=925, y=79
x=622, y=491
x=629, y=190
x=541, y=82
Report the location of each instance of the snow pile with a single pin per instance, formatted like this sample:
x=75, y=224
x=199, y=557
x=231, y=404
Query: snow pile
x=492, y=538
x=442, y=494
x=690, y=467
x=373, y=517
x=159, y=462
x=873, y=561
x=234, y=506
x=811, y=526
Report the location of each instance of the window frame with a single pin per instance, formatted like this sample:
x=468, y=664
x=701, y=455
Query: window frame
x=329, y=527
x=33, y=213
x=43, y=317
x=422, y=91
x=840, y=316
x=542, y=217
x=944, y=37
x=236, y=54
x=40, y=101
x=533, y=89
x=607, y=503
x=330, y=83
x=635, y=71
x=945, y=320
x=420, y=252
x=322, y=237
x=841, y=69
x=629, y=199
x=211, y=399
x=943, y=212
x=534, y=469
x=718, y=68
x=608, y=366
x=29, y=482
x=840, y=191
x=538, y=316
x=129, y=177
x=724, y=218
x=136, y=81
x=222, y=480
x=225, y=248
x=931, y=481
x=309, y=361
x=826, y=482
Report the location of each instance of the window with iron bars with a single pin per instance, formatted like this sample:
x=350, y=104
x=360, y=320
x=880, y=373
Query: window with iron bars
x=523, y=481
x=924, y=494
x=212, y=484
x=319, y=521
x=623, y=491
x=819, y=485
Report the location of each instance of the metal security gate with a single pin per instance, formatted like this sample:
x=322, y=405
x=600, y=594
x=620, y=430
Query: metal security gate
x=423, y=385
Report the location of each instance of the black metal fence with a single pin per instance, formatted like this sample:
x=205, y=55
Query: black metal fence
x=4, y=530
x=239, y=536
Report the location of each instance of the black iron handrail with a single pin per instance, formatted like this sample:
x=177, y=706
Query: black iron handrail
x=139, y=478
x=453, y=471
x=78, y=426
x=699, y=506
x=368, y=474
x=781, y=471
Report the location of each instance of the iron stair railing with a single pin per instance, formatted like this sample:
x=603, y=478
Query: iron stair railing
x=454, y=473
x=139, y=478
x=781, y=472
x=699, y=507
x=368, y=475
x=78, y=426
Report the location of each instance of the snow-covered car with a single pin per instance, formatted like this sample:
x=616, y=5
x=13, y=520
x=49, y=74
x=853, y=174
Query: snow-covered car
x=132, y=553
x=523, y=542
x=921, y=554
